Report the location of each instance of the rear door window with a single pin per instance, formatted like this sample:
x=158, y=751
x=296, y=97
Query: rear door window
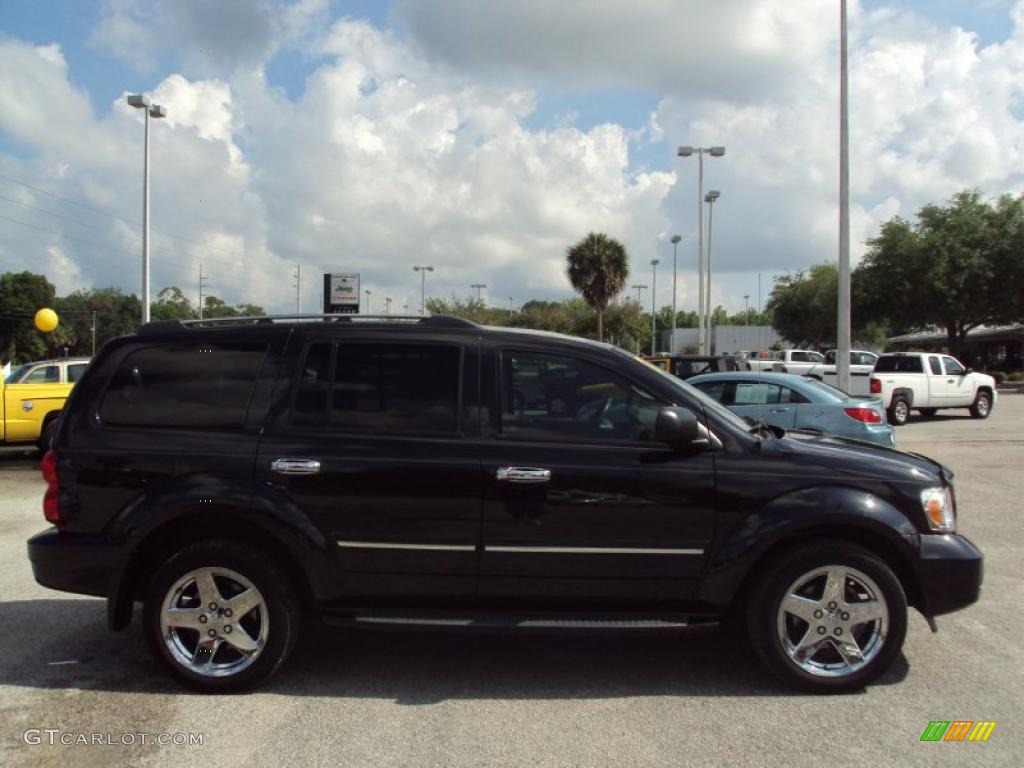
x=184, y=385
x=935, y=365
x=44, y=374
x=379, y=388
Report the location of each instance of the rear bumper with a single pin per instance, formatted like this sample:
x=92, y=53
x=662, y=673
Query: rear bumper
x=73, y=562
x=950, y=571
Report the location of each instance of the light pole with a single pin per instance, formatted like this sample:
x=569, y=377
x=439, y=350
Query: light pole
x=511, y=304
x=140, y=101
x=298, y=288
x=479, y=287
x=387, y=305
x=423, y=286
x=843, y=300
x=700, y=152
x=368, y=293
x=639, y=288
x=746, y=311
x=654, y=294
x=675, y=249
x=710, y=198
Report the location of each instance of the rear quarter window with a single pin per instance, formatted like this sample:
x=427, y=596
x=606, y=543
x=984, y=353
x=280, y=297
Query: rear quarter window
x=898, y=364
x=183, y=385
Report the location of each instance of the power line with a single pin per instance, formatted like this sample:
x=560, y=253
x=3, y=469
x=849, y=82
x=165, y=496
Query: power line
x=133, y=222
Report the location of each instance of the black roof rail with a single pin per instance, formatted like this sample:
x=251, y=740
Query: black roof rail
x=158, y=327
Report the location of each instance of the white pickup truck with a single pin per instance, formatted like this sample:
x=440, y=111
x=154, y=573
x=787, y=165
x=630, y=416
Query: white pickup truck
x=862, y=363
x=926, y=382
x=797, y=361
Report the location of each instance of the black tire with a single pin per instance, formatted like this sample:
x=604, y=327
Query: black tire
x=982, y=405
x=46, y=440
x=880, y=641
x=927, y=412
x=277, y=615
x=899, y=411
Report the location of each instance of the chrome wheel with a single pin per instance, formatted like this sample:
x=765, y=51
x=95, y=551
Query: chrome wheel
x=981, y=406
x=901, y=412
x=832, y=621
x=214, y=622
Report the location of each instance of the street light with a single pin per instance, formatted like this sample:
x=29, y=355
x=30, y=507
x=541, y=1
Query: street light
x=710, y=198
x=423, y=286
x=675, y=248
x=387, y=305
x=654, y=294
x=639, y=288
x=139, y=101
x=700, y=152
x=368, y=293
x=746, y=311
x=479, y=287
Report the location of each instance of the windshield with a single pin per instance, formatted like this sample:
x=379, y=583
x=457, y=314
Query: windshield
x=710, y=405
x=15, y=376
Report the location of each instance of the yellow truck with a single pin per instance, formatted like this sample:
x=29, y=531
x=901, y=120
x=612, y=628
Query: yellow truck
x=30, y=412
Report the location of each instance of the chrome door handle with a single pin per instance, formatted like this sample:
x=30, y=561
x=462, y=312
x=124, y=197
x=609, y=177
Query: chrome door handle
x=523, y=474
x=295, y=466
x=778, y=410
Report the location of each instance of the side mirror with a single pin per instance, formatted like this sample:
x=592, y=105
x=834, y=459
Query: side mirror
x=968, y=371
x=676, y=426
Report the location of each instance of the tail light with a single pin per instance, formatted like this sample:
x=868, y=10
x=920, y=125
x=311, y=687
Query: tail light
x=876, y=386
x=865, y=415
x=51, y=503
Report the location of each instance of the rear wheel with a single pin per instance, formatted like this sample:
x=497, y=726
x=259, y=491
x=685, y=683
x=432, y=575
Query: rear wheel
x=221, y=615
x=828, y=617
x=927, y=412
x=899, y=411
x=982, y=405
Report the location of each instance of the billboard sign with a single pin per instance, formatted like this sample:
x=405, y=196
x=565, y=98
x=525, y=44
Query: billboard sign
x=341, y=294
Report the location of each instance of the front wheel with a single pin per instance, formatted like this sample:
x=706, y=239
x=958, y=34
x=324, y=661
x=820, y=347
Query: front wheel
x=982, y=406
x=899, y=411
x=828, y=617
x=221, y=615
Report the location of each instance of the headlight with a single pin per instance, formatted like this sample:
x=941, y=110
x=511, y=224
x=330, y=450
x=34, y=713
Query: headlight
x=938, y=509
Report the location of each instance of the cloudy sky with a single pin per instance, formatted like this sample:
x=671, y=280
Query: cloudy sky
x=484, y=137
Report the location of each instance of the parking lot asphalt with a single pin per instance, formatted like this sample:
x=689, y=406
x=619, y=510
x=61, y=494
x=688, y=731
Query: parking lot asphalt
x=421, y=699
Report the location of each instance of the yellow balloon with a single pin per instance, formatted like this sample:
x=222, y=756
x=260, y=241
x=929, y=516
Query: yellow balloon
x=46, y=320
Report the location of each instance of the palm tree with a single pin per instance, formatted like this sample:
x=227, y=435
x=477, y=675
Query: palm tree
x=598, y=270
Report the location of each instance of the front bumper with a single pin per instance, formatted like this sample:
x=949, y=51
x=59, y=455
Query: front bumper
x=949, y=571
x=73, y=562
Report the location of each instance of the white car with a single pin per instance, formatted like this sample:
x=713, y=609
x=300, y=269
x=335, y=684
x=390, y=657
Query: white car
x=63, y=370
x=862, y=363
x=795, y=361
x=926, y=382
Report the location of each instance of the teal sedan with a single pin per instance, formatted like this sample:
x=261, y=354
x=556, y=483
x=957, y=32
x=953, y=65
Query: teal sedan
x=797, y=402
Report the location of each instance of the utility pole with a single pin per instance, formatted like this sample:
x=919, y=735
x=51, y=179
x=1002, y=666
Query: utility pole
x=479, y=288
x=298, y=288
x=202, y=279
x=675, y=248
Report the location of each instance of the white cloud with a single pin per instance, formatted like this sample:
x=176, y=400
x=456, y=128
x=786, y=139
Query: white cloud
x=408, y=151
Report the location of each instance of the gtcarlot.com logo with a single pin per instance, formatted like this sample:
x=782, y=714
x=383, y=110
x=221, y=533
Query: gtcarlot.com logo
x=958, y=730
x=55, y=736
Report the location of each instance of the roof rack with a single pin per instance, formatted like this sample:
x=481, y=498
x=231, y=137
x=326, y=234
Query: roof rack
x=432, y=321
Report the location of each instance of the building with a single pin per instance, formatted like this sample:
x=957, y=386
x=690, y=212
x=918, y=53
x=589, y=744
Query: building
x=987, y=348
x=725, y=339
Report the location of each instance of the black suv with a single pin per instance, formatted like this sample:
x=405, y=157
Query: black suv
x=231, y=474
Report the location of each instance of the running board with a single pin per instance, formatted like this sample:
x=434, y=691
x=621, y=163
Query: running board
x=522, y=622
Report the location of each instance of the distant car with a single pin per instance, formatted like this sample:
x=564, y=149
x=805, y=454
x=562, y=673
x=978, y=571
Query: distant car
x=686, y=366
x=65, y=370
x=862, y=363
x=796, y=402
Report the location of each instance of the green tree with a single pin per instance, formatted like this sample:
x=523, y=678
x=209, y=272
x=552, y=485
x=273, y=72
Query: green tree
x=804, y=306
x=21, y=295
x=598, y=267
x=116, y=313
x=959, y=266
x=171, y=304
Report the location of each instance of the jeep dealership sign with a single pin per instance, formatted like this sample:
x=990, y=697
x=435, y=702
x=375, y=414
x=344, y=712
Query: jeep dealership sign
x=341, y=294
